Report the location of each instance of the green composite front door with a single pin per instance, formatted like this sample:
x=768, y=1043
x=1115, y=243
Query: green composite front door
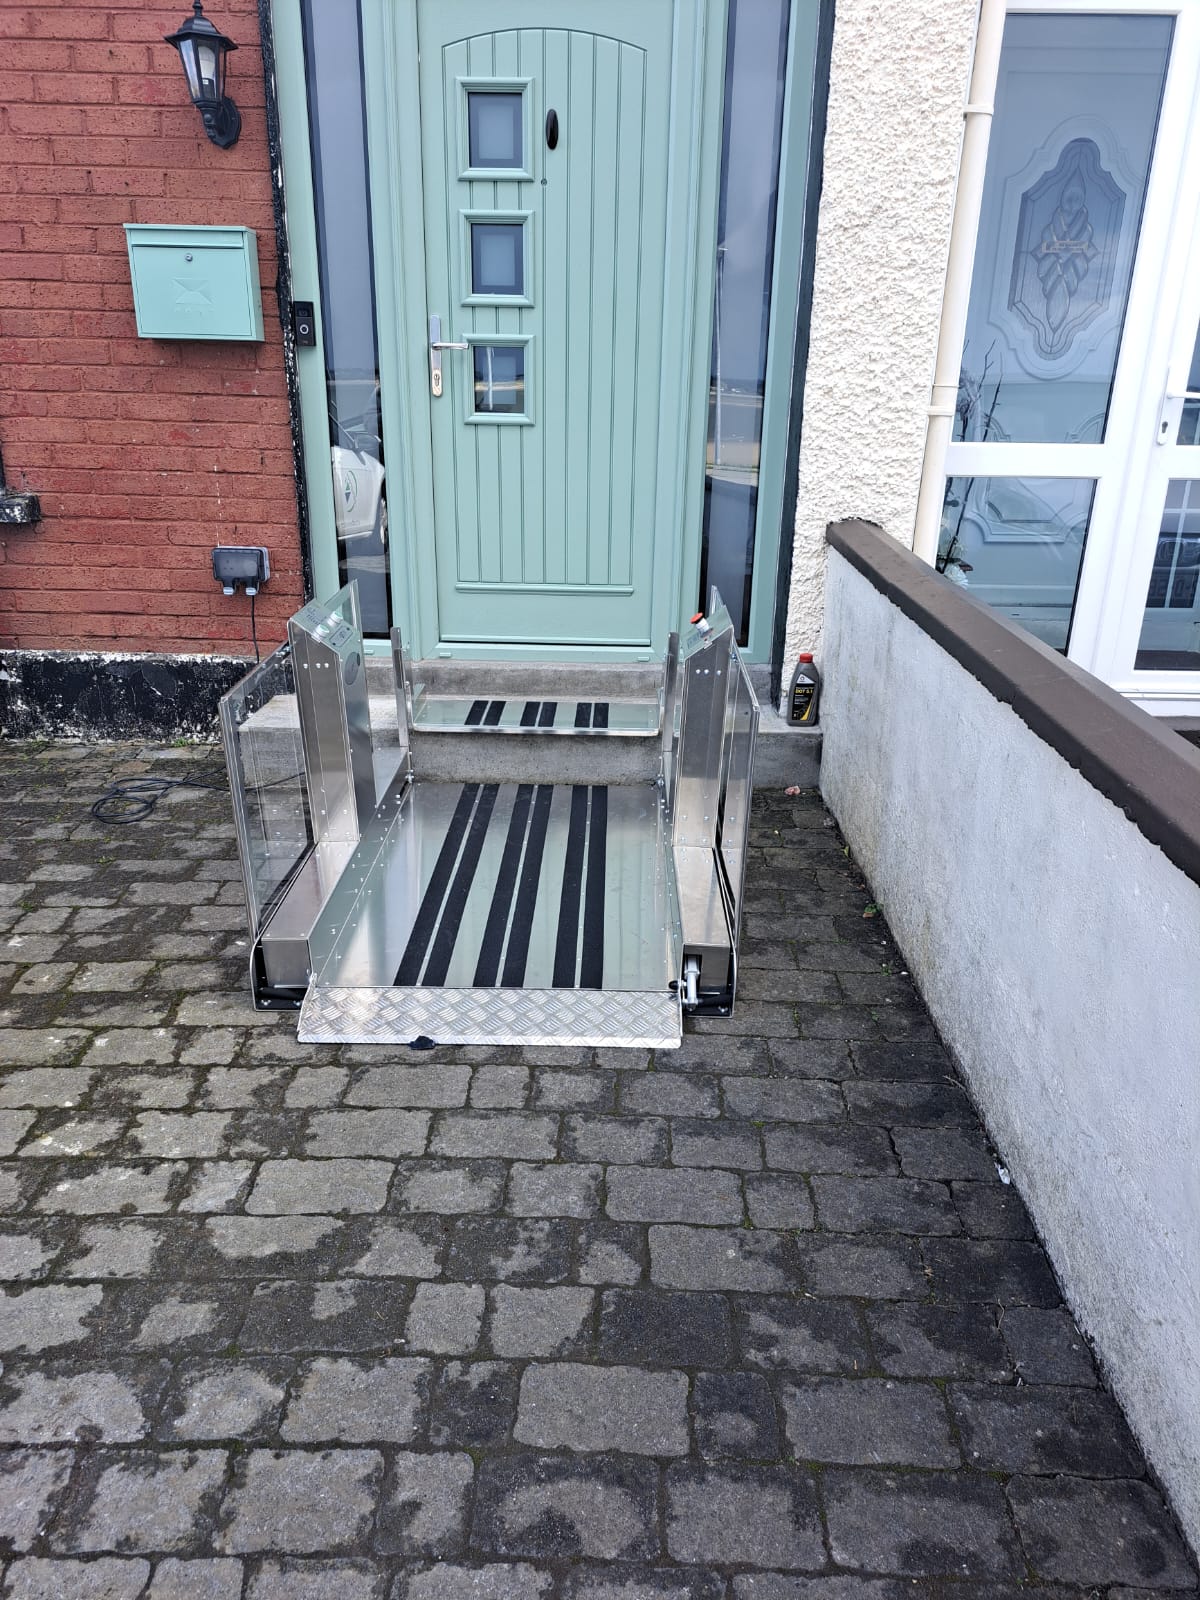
x=567, y=208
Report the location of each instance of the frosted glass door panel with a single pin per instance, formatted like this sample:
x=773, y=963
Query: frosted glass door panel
x=1077, y=106
x=1017, y=543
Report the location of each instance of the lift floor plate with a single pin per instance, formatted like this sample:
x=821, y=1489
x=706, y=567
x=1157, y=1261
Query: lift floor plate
x=494, y=913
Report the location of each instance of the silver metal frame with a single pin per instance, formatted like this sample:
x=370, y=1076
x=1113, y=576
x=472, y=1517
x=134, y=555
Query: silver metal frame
x=367, y=852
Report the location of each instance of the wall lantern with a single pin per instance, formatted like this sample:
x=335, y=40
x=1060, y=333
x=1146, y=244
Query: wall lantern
x=203, y=49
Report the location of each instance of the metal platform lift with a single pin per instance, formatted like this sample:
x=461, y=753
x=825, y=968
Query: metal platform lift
x=389, y=907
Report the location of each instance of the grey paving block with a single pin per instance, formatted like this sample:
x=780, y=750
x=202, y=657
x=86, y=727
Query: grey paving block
x=732, y=1515
x=359, y=1402
x=474, y=1404
x=339, y=1314
x=564, y=1405
x=225, y=1400
x=698, y=1143
x=502, y=1580
x=1009, y=1272
x=831, y=1147
x=147, y=1503
x=110, y=1578
x=30, y=1483
x=196, y=1579
x=555, y=1507
x=992, y=1210
x=388, y=1133
x=640, y=1140
x=670, y=1094
x=425, y=1504
x=622, y=1582
x=554, y=1189
x=794, y=1334
x=539, y=1322
x=653, y=1328
x=869, y=1205
x=666, y=1194
x=524, y=1136
x=939, y=1341
x=331, y=1187
x=945, y=1153
x=868, y=1422
x=733, y=1415
x=927, y=1524
x=47, y=1316
x=1044, y=1429
x=1047, y=1347
x=445, y=1318
x=778, y=1200
x=318, y=1580
x=719, y=1258
x=518, y=1250
x=875, y=1269
x=300, y=1501
x=433, y=1086
x=448, y=1186
x=103, y=1406
x=1083, y=1532
x=792, y=1099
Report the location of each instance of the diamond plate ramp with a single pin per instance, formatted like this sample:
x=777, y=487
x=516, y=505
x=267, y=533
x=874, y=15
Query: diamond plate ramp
x=491, y=1016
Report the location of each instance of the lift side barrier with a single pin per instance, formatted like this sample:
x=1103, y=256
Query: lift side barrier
x=389, y=906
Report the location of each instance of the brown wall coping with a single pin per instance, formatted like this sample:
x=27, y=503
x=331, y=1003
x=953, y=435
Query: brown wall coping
x=1146, y=769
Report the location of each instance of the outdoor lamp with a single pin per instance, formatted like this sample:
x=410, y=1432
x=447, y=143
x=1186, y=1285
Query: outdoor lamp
x=202, y=49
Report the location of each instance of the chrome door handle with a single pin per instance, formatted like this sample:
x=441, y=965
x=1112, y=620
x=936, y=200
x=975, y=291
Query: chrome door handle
x=436, y=345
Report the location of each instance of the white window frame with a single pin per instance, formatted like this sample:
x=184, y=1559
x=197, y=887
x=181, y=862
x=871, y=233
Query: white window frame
x=1116, y=548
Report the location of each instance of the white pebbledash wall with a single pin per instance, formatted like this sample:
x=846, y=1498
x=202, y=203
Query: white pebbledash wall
x=1058, y=950
x=898, y=81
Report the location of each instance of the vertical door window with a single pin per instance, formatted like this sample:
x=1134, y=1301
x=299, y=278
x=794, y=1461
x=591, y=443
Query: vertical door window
x=333, y=52
x=1073, y=136
x=1169, y=640
x=755, y=73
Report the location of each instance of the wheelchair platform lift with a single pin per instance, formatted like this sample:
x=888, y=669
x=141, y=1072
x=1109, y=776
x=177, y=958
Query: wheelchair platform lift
x=577, y=880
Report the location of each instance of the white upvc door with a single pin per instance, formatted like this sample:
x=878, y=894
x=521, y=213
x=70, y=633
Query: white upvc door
x=1147, y=633
x=1080, y=269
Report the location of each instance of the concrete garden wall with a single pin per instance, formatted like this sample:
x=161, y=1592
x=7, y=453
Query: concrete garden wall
x=1045, y=895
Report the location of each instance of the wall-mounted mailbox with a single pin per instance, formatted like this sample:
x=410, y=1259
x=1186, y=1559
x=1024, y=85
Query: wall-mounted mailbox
x=194, y=283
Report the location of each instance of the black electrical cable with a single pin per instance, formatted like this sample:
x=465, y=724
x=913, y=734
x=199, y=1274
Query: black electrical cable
x=254, y=625
x=133, y=799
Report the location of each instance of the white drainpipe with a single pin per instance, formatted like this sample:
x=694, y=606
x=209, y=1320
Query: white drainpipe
x=963, y=230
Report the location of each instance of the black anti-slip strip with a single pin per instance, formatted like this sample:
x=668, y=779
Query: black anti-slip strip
x=566, y=946
x=409, y=970
x=487, y=969
x=456, y=900
x=548, y=713
x=493, y=714
x=475, y=714
x=529, y=714
x=583, y=714
x=591, y=961
x=600, y=714
x=517, y=955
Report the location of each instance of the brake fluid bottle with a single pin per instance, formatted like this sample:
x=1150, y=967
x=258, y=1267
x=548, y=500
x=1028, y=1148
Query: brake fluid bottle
x=804, y=695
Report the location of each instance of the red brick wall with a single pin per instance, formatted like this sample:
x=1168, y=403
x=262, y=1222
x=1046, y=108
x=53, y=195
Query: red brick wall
x=144, y=453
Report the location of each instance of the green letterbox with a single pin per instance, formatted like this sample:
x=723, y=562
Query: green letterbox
x=194, y=283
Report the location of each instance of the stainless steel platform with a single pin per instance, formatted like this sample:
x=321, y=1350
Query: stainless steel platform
x=392, y=908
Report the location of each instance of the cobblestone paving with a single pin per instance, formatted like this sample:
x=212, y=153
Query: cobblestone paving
x=753, y=1320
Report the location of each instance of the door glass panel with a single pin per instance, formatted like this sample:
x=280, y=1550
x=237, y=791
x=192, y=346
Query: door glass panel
x=494, y=129
x=1189, y=422
x=755, y=71
x=1017, y=543
x=1170, y=636
x=499, y=378
x=339, y=153
x=1077, y=106
x=497, y=265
